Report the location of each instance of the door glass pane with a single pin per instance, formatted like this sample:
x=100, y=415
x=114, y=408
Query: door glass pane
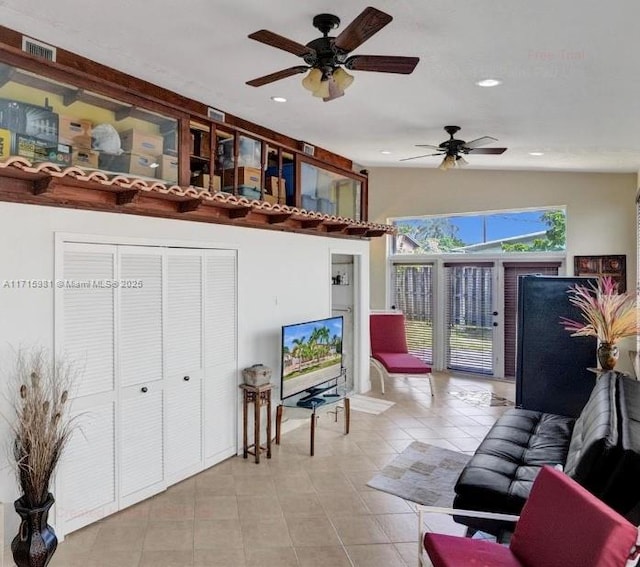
x=413, y=295
x=469, y=319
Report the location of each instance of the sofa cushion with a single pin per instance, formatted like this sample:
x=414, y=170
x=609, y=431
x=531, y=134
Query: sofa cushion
x=564, y=525
x=621, y=490
x=500, y=474
x=592, y=451
x=454, y=551
x=401, y=363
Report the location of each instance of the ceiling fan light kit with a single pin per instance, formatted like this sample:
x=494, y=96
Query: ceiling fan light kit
x=453, y=149
x=327, y=57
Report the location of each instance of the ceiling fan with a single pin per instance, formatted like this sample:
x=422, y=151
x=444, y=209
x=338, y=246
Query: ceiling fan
x=452, y=149
x=327, y=57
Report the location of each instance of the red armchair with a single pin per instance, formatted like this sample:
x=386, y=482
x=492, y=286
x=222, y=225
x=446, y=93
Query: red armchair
x=389, y=351
x=561, y=525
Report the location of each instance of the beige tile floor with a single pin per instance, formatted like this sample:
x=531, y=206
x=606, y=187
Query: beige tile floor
x=297, y=510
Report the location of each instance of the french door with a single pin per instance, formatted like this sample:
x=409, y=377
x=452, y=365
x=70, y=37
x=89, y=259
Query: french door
x=470, y=317
x=413, y=294
x=461, y=315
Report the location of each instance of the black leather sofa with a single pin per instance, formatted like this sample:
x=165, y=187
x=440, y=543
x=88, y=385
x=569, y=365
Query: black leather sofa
x=600, y=450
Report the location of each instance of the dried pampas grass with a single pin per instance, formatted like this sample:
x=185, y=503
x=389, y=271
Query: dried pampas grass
x=42, y=425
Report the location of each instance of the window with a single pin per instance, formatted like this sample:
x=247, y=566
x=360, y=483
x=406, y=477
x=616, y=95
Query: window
x=541, y=230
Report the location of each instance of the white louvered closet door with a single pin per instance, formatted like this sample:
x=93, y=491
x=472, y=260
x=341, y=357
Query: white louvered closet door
x=140, y=343
x=86, y=484
x=183, y=363
x=221, y=363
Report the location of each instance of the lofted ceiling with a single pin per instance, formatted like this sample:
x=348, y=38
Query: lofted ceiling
x=569, y=71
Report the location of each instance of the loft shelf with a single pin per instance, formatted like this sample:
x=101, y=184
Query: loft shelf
x=70, y=95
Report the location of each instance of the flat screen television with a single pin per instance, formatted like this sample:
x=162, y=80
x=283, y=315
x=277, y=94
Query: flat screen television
x=311, y=355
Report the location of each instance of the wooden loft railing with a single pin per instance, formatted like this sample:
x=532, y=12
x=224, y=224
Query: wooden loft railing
x=78, y=79
x=48, y=184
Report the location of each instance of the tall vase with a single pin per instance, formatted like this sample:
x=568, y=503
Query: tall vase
x=36, y=541
x=608, y=355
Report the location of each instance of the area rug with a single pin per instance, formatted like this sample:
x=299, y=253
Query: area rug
x=367, y=404
x=422, y=473
x=480, y=398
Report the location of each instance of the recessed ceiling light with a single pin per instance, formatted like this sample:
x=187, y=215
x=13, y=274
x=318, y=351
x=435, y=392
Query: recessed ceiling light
x=385, y=152
x=536, y=153
x=489, y=83
x=278, y=99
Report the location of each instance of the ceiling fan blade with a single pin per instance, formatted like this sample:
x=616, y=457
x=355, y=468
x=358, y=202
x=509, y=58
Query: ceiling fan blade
x=280, y=42
x=488, y=151
x=416, y=157
x=277, y=76
x=480, y=142
x=369, y=22
x=382, y=63
x=429, y=146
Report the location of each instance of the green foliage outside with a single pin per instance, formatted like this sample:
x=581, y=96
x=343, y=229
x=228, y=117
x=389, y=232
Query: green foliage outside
x=554, y=238
x=477, y=339
x=433, y=235
x=440, y=235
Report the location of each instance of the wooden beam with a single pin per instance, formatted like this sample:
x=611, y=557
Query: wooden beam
x=71, y=96
x=238, y=213
x=124, y=112
x=44, y=185
x=278, y=218
x=190, y=205
x=126, y=197
x=309, y=223
x=356, y=230
x=6, y=74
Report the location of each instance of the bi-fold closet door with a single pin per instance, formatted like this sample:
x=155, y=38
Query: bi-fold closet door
x=157, y=400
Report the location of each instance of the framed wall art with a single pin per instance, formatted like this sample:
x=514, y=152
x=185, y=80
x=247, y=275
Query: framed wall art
x=614, y=266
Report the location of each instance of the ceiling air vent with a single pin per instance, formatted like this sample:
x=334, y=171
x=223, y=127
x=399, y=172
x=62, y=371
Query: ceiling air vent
x=38, y=49
x=308, y=149
x=215, y=114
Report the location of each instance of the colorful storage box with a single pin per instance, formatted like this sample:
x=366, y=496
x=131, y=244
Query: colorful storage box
x=5, y=143
x=74, y=131
x=141, y=143
x=84, y=157
x=168, y=168
x=247, y=176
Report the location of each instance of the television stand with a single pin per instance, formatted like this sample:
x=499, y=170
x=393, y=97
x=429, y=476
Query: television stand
x=323, y=397
x=315, y=392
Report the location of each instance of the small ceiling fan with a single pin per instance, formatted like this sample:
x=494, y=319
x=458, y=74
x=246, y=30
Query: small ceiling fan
x=453, y=149
x=327, y=57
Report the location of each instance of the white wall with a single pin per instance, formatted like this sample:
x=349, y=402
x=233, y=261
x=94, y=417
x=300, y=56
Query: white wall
x=282, y=278
x=601, y=211
x=601, y=217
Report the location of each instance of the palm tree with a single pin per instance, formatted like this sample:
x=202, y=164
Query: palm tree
x=298, y=350
x=336, y=341
x=323, y=335
x=313, y=343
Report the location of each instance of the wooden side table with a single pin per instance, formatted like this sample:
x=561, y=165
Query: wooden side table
x=258, y=396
